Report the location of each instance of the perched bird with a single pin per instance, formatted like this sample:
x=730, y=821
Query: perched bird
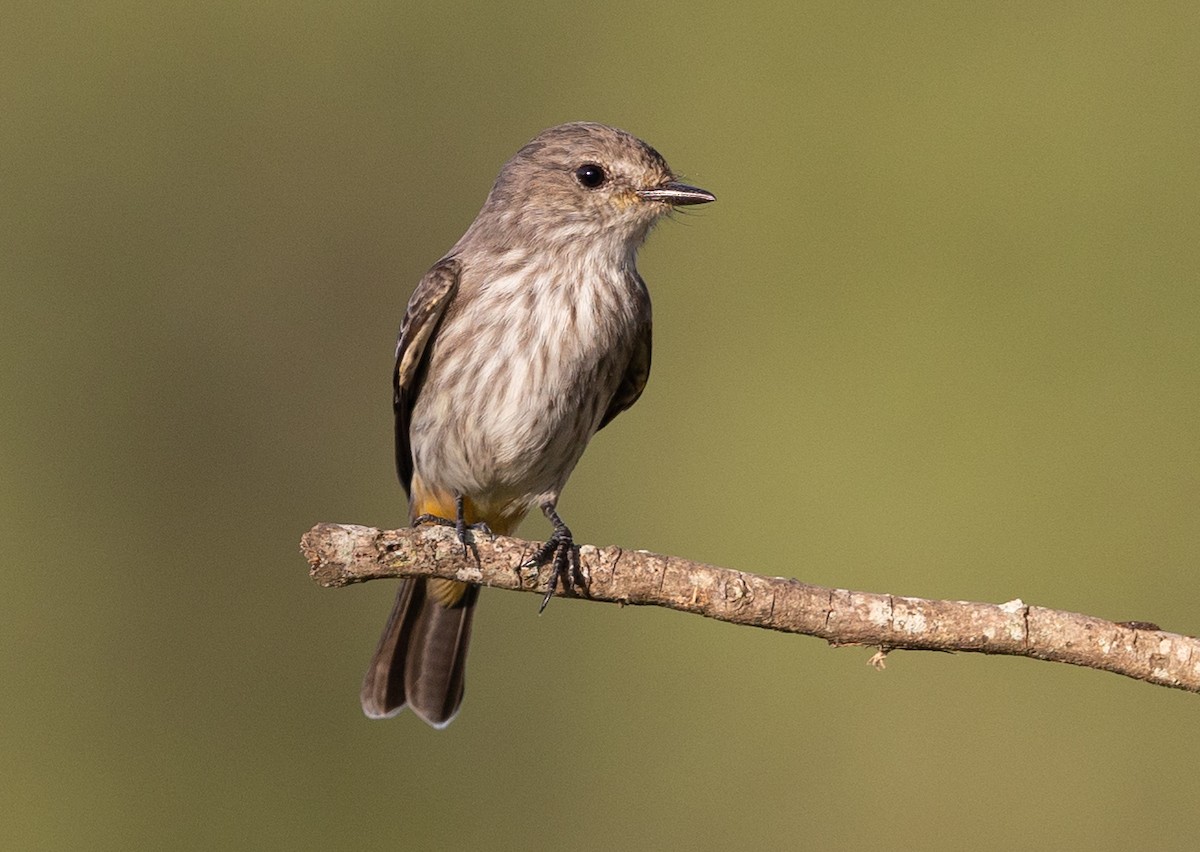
x=532, y=333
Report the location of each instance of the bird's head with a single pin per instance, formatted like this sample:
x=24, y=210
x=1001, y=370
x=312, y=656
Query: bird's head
x=587, y=181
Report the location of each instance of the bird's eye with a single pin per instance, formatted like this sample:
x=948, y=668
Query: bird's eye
x=591, y=175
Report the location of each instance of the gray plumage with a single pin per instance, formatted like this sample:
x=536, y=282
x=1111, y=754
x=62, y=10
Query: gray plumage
x=528, y=336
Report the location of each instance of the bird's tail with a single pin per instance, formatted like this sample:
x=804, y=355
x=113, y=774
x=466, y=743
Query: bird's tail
x=422, y=655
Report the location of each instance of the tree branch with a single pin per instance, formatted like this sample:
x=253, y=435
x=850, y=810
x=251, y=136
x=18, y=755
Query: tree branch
x=341, y=554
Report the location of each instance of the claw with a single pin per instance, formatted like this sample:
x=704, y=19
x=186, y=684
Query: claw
x=436, y=520
x=459, y=523
x=562, y=554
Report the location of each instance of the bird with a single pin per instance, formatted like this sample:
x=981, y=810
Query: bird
x=526, y=338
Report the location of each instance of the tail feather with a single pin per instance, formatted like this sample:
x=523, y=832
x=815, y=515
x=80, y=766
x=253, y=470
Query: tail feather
x=421, y=658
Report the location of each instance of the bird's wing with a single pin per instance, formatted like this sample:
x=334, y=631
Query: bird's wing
x=636, y=374
x=421, y=319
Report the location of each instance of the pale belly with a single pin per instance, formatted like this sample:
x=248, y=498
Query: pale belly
x=505, y=418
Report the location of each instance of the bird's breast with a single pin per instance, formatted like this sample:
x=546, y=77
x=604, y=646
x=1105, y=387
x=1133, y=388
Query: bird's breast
x=520, y=374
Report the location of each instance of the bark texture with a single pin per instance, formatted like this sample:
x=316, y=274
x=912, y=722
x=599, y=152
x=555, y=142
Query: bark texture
x=341, y=554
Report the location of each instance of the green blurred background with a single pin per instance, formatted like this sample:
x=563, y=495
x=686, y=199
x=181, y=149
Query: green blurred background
x=938, y=337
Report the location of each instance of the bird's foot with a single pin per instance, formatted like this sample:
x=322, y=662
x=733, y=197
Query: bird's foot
x=562, y=555
x=459, y=523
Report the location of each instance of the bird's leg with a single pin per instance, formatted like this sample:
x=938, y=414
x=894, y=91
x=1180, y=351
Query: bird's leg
x=459, y=523
x=561, y=552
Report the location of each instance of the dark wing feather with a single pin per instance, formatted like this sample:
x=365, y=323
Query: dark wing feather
x=636, y=374
x=421, y=319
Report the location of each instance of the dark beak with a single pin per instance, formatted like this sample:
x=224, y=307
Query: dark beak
x=677, y=194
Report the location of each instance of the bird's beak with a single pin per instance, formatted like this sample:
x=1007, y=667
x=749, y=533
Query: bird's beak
x=676, y=194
